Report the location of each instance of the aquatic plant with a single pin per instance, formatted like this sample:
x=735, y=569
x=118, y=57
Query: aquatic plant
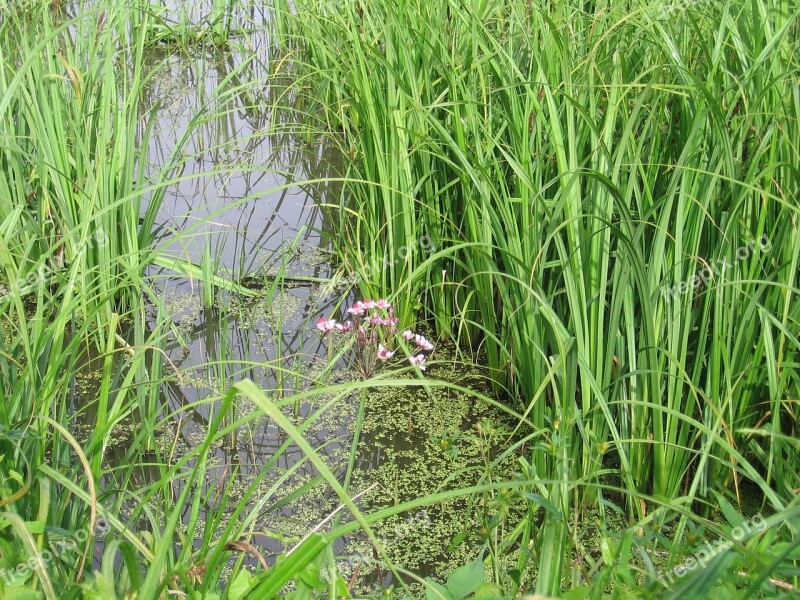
x=78, y=186
x=373, y=336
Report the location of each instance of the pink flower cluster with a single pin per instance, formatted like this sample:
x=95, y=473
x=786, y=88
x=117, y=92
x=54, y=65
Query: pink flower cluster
x=423, y=344
x=374, y=326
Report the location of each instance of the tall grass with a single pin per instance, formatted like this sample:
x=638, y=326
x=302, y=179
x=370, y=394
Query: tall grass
x=584, y=170
x=74, y=183
x=77, y=187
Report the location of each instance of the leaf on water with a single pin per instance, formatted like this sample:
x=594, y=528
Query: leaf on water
x=457, y=541
x=465, y=580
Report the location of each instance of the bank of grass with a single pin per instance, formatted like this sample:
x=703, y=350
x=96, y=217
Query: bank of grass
x=612, y=192
x=74, y=186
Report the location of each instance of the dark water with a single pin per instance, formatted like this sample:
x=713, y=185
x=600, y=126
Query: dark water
x=243, y=200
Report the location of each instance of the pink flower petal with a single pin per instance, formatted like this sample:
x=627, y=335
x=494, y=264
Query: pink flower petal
x=418, y=360
x=325, y=325
x=423, y=343
x=357, y=309
x=383, y=353
x=344, y=327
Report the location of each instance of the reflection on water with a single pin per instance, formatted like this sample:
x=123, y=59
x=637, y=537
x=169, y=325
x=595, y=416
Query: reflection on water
x=243, y=195
x=240, y=193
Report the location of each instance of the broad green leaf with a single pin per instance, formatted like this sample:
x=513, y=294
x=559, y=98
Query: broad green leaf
x=35, y=527
x=239, y=586
x=465, y=580
x=21, y=593
x=732, y=516
x=435, y=591
x=489, y=591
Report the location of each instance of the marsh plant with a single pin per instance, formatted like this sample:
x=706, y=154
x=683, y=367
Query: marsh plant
x=373, y=338
x=572, y=160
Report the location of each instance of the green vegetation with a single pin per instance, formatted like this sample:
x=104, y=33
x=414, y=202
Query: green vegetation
x=576, y=168
x=590, y=208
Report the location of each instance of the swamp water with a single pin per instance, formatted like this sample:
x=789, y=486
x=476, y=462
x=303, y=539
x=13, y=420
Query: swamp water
x=257, y=225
